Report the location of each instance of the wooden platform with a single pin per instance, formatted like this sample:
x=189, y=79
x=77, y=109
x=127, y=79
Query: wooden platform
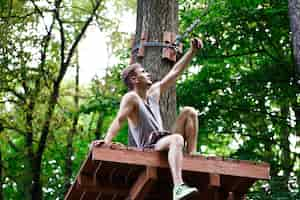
x=113, y=173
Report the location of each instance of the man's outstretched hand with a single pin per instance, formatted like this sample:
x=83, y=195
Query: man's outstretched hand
x=196, y=44
x=98, y=143
x=102, y=143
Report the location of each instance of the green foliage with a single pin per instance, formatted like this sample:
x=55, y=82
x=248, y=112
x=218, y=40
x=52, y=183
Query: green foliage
x=242, y=83
x=33, y=57
x=246, y=91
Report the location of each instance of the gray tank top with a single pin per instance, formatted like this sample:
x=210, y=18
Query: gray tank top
x=149, y=120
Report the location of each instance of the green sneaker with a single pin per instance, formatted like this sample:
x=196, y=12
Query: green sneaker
x=183, y=191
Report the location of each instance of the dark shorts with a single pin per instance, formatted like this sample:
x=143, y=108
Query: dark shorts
x=154, y=137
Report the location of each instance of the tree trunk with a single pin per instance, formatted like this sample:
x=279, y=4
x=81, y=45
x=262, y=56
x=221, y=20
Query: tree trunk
x=155, y=17
x=98, y=131
x=1, y=175
x=69, y=163
x=65, y=60
x=294, y=15
x=287, y=164
x=37, y=193
x=28, y=175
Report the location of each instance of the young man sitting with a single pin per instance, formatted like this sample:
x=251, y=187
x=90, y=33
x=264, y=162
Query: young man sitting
x=140, y=107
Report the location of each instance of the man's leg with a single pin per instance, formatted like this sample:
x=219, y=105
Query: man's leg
x=187, y=125
x=174, y=144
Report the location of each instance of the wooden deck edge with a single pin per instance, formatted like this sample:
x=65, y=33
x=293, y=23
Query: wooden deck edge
x=197, y=163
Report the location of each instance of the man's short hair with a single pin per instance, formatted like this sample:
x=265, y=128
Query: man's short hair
x=128, y=72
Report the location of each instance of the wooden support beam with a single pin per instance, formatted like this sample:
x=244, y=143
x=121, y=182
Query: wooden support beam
x=89, y=195
x=190, y=163
x=230, y=196
x=143, y=184
x=73, y=193
x=236, y=196
x=85, y=180
x=214, y=180
x=96, y=172
x=87, y=184
x=214, y=186
x=99, y=196
x=82, y=196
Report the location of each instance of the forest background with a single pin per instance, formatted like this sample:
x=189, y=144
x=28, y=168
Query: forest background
x=244, y=83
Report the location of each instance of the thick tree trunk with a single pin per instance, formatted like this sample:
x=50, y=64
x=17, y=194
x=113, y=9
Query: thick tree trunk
x=37, y=193
x=155, y=17
x=294, y=15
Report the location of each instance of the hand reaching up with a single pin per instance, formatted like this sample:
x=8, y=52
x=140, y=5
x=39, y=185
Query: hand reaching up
x=196, y=44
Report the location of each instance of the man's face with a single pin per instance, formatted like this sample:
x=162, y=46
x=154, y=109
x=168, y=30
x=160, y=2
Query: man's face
x=143, y=77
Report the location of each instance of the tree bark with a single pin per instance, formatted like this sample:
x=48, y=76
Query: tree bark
x=29, y=170
x=155, y=17
x=1, y=174
x=294, y=15
x=69, y=162
x=287, y=163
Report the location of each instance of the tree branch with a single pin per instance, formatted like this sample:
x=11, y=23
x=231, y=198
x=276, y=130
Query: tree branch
x=15, y=93
x=12, y=144
x=62, y=38
x=55, y=93
x=18, y=17
x=10, y=126
x=73, y=47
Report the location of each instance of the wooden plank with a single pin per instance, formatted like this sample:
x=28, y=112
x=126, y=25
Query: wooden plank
x=214, y=186
x=82, y=196
x=73, y=193
x=214, y=180
x=190, y=163
x=96, y=172
x=85, y=180
x=104, y=189
x=88, y=165
x=90, y=196
x=87, y=184
x=230, y=196
x=143, y=184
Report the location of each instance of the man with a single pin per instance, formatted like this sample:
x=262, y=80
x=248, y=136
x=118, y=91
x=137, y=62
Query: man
x=140, y=106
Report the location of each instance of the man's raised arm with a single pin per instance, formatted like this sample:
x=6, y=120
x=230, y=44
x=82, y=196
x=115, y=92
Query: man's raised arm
x=126, y=107
x=177, y=69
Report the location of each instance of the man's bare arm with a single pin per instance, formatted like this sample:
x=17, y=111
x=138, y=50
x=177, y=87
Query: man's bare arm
x=171, y=77
x=126, y=107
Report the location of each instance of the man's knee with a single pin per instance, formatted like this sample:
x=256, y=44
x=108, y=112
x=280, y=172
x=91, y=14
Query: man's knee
x=189, y=111
x=177, y=139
